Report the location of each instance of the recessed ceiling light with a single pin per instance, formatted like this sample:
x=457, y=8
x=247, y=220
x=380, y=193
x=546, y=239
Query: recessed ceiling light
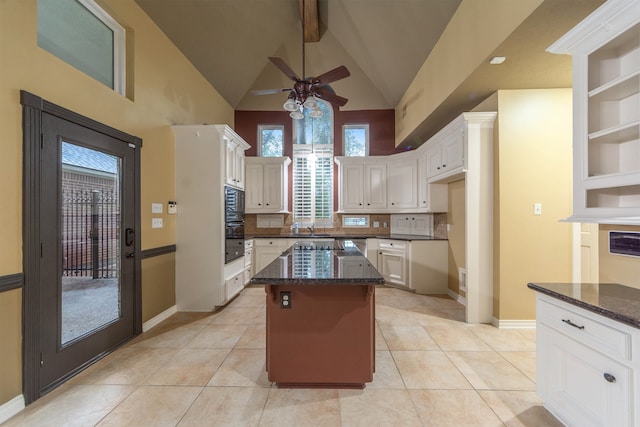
x=497, y=60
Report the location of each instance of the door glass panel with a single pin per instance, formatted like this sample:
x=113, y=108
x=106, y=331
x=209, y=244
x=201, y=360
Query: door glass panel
x=91, y=202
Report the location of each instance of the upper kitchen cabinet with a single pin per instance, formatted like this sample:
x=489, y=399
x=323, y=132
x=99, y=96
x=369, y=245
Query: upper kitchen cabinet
x=235, y=147
x=362, y=184
x=403, y=182
x=445, y=153
x=605, y=50
x=431, y=197
x=267, y=183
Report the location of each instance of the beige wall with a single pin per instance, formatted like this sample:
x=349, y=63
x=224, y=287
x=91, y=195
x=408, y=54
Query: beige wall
x=534, y=166
x=456, y=235
x=163, y=88
x=476, y=29
x=617, y=268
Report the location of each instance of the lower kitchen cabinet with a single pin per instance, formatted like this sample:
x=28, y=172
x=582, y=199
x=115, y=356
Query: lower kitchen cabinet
x=248, y=260
x=418, y=265
x=587, y=372
x=266, y=251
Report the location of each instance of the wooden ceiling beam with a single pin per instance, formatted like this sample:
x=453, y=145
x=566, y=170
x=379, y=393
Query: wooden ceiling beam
x=311, y=20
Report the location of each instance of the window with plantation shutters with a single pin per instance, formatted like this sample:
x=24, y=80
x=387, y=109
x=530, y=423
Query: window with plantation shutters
x=313, y=169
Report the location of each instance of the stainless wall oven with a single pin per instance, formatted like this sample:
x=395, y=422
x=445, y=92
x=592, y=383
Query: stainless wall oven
x=234, y=223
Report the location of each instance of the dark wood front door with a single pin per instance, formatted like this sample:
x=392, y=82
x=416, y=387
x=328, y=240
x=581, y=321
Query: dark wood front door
x=82, y=290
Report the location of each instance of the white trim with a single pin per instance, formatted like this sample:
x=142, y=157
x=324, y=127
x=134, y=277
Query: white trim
x=159, y=318
x=119, y=44
x=513, y=324
x=462, y=300
x=11, y=408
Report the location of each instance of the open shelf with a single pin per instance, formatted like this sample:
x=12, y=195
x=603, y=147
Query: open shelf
x=614, y=150
x=620, y=57
x=614, y=197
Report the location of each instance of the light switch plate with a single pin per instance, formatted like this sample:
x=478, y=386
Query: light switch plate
x=537, y=208
x=156, y=207
x=156, y=222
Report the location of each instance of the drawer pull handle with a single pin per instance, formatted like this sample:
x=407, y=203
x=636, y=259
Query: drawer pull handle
x=569, y=322
x=610, y=378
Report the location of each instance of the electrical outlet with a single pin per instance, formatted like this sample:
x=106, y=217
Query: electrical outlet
x=537, y=208
x=376, y=224
x=156, y=222
x=156, y=207
x=285, y=299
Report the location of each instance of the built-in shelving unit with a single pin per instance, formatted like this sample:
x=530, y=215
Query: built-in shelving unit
x=606, y=60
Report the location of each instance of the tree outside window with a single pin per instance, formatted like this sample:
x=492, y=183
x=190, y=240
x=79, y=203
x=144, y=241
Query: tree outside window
x=271, y=140
x=356, y=140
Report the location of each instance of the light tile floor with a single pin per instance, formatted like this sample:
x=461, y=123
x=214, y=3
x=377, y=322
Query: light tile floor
x=203, y=369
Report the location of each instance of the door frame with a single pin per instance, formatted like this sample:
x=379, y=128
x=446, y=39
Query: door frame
x=32, y=108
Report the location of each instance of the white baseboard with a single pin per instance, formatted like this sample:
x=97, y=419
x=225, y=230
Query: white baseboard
x=159, y=318
x=514, y=324
x=462, y=300
x=11, y=408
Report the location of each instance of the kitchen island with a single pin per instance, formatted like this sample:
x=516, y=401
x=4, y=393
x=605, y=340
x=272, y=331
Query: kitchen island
x=588, y=352
x=320, y=308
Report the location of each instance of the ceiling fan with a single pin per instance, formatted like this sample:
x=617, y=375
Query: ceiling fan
x=304, y=91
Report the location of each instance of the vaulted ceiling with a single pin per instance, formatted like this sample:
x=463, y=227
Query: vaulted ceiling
x=383, y=43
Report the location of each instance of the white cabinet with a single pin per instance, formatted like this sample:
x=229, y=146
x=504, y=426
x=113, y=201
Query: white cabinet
x=587, y=372
x=362, y=184
x=605, y=50
x=392, y=262
x=201, y=174
x=234, y=160
x=267, y=183
x=248, y=260
x=418, y=265
x=445, y=153
x=234, y=285
x=431, y=197
x=267, y=250
x=414, y=224
x=403, y=182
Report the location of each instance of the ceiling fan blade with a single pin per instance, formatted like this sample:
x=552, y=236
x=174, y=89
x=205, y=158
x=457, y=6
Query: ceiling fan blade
x=270, y=91
x=329, y=96
x=279, y=62
x=331, y=76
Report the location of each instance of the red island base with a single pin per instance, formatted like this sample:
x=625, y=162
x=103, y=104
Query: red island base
x=320, y=336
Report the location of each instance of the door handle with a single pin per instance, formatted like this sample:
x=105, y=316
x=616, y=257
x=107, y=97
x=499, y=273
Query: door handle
x=130, y=237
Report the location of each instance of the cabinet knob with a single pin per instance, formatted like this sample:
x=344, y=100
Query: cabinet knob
x=438, y=167
x=392, y=203
x=610, y=378
x=444, y=166
x=359, y=204
x=368, y=204
x=267, y=204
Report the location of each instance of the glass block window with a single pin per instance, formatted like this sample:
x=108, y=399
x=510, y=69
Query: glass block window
x=83, y=35
x=356, y=140
x=355, y=220
x=271, y=140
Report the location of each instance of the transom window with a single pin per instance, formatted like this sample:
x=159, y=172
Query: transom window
x=271, y=140
x=83, y=35
x=356, y=140
x=313, y=168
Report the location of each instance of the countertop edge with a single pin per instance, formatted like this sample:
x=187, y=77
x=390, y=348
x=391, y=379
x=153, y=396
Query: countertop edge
x=589, y=307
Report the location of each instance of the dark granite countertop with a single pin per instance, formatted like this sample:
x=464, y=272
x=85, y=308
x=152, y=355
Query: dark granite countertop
x=617, y=302
x=407, y=237
x=319, y=263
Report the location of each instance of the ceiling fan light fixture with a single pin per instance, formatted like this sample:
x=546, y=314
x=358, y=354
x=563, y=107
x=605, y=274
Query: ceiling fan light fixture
x=316, y=112
x=310, y=103
x=296, y=115
x=290, y=105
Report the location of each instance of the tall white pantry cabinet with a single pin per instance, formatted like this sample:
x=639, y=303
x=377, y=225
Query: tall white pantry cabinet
x=203, y=168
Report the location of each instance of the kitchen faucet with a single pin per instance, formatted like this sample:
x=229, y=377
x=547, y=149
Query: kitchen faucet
x=311, y=229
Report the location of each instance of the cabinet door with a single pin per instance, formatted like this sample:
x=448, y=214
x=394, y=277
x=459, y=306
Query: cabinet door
x=265, y=255
x=272, y=188
x=230, y=162
x=580, y=384
x=393, y=266
x=254, y=187
x=434, y=159
x=234, y=285
x=403, y=185
x=352, y=187
x=453, y=151
x=239, y=169
x=375, y=186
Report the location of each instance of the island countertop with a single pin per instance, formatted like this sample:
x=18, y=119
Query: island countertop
x=617, y=302
x=319, y=263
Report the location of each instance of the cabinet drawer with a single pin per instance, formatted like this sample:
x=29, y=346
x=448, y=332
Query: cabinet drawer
x=575, y=323
x=392, y=244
